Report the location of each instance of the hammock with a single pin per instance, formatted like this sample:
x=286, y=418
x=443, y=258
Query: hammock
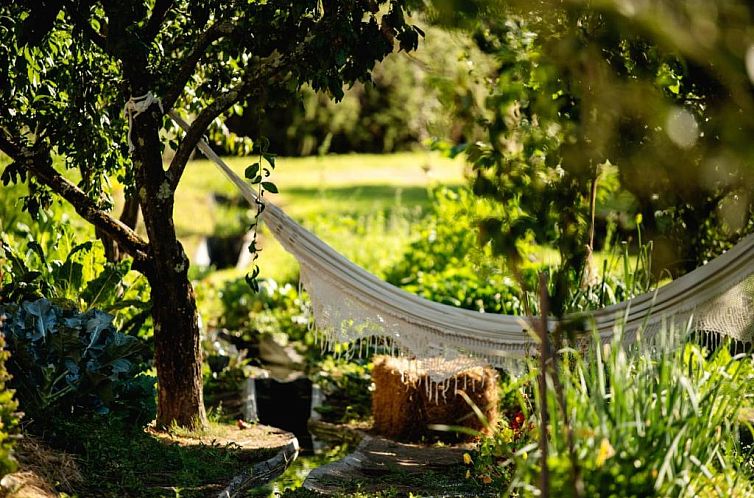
x=350, y=305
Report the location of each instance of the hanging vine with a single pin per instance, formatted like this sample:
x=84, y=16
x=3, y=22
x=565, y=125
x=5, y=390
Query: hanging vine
x=257, y=174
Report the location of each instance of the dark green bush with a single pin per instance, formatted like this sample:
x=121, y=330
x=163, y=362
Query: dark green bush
x=65, y=361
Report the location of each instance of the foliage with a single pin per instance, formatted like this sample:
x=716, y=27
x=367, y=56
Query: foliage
x=491, y=462
x=65, y=361
x=444, y=263
x=8, y=415
x=46, y=259
x=581, y=86
x=274, y=309
x=647, y=420
x=398, y=110
x=386, y=231
x=610, y=286
x=346, y=385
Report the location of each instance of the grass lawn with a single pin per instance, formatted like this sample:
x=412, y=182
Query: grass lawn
x=320, y=192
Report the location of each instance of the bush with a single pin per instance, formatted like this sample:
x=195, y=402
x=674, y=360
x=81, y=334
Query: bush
x=65, y=361
x=8, y=415
x=346, y=386
x=445, y=263
x=646, y=422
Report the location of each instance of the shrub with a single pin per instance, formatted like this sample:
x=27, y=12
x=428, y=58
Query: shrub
x=645, y=423
x=446, y=265
x=65, y=361
x=8, y=415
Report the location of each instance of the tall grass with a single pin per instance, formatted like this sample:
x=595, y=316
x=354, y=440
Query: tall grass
x=646, y=421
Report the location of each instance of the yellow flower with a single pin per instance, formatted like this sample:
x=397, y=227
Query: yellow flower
x=606, y=451
x=468, y=474
x=467, y=459
x=506, y=435
x=524, y=455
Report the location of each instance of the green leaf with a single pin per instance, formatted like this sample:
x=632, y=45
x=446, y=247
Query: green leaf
x=270, y=187
x=252, y=171
x=105, y=287
x=34, y=246
x=270, y=158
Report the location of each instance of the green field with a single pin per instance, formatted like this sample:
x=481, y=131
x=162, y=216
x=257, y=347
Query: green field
x=373, y=196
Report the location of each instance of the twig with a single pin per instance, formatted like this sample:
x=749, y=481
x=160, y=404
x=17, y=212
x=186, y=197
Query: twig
x=544, y=357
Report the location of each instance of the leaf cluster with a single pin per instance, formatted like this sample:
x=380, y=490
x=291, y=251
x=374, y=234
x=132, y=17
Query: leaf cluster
x=581, y=86
x=9, y=417
x=66, y=361
x=648, y=420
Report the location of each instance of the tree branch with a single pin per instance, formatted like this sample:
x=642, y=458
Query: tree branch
x=40, y=167
x=254, y=76
x=83, y=23
x=160, y=10
x=188, y=65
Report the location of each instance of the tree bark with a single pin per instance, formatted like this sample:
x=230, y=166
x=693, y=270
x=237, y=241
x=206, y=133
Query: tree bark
x=178, y=355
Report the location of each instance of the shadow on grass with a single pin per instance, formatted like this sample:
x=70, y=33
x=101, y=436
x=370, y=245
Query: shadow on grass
x=366, y=194
x=119, y=460
x=360, y=195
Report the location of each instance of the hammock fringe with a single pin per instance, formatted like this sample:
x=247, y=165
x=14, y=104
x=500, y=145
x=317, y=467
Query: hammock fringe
x=355, y=313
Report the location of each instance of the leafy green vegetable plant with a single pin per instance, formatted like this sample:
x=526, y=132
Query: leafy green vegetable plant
x=66, y=361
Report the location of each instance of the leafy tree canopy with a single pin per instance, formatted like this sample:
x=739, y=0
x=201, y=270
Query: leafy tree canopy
x=661, y=90
x=68, y=68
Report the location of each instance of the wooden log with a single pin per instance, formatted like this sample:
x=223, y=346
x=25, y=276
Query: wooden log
x=263, y=472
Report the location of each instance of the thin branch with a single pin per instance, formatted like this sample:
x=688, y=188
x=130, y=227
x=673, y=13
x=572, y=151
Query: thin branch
x=253, y=78
x=40, y=167
x=160, y=10
x=83, y=23
x=545, y=356
x=188, y=65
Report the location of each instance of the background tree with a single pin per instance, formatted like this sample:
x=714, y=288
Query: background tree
x=661, y=90
x=67, y=70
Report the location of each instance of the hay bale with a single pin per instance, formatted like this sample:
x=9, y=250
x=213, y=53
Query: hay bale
x=395, y=400
x=405, y=402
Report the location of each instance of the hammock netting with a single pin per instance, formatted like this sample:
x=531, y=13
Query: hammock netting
x=352, y=306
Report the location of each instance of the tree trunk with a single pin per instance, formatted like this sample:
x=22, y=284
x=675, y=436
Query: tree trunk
x=176, y=329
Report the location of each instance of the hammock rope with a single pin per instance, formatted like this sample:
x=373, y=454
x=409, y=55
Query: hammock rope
x=350, y=305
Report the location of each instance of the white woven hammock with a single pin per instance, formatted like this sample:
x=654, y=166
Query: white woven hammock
x=353, y=306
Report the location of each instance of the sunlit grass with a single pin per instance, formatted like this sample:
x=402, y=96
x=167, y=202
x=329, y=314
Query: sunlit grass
x=317, y=191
